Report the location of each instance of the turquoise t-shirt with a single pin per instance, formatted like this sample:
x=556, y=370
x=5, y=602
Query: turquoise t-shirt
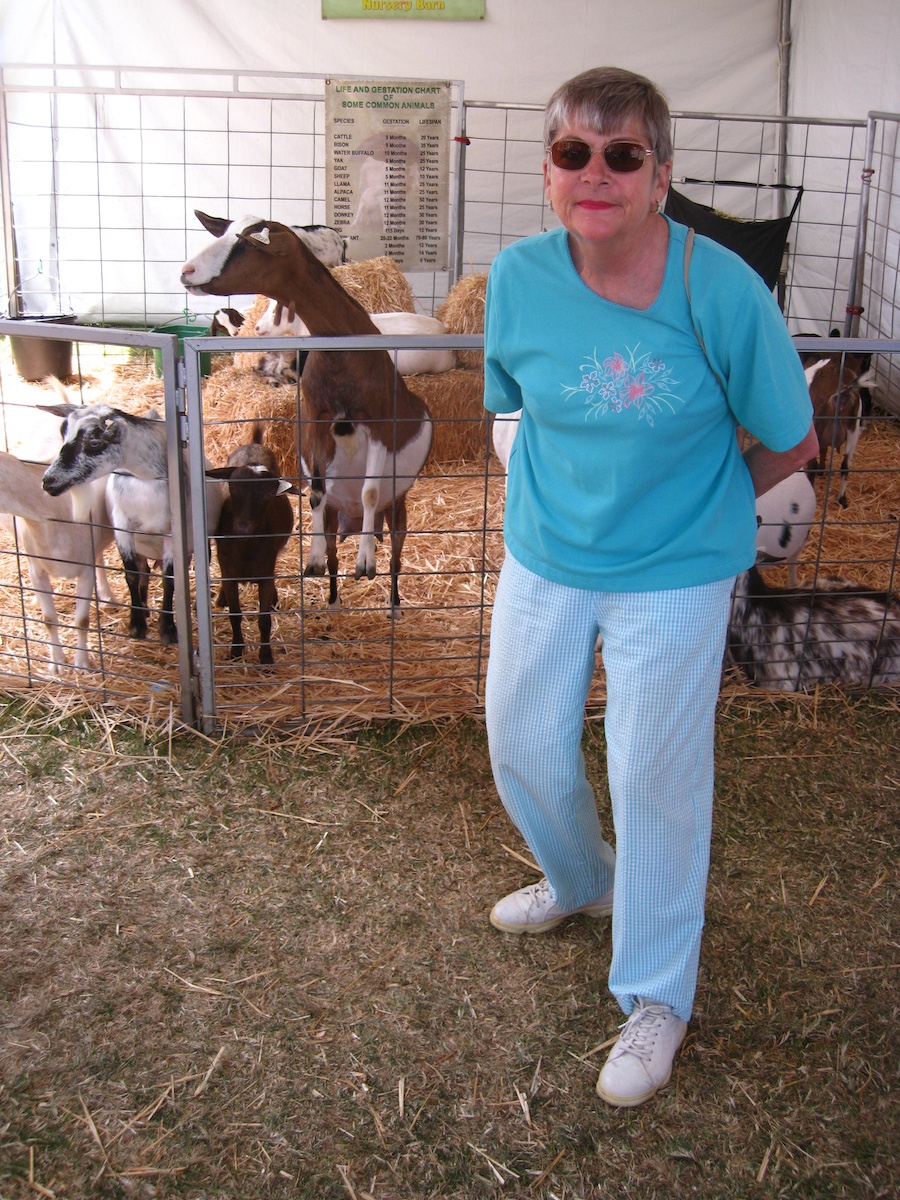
x=625, y=473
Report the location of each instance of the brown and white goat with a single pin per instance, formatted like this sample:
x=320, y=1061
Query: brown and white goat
x=837, y=631
x=364, y=436
x=254, y=526
x=835, y=382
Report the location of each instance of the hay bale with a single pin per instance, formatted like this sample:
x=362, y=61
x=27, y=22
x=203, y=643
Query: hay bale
x=249, y=362
x=232, y=400
x=378, y=284
x=463, y=312
x=456, y=401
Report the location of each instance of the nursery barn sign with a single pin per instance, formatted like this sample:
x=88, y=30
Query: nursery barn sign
x=437, y=10
x=387, y=169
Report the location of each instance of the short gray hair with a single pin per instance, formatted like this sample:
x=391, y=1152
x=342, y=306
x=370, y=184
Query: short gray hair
x=606, y=98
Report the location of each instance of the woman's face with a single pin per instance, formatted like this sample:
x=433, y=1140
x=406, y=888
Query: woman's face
x=597, y=204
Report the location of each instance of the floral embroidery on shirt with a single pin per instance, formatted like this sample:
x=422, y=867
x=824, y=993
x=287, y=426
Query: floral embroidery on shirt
x=639, y=382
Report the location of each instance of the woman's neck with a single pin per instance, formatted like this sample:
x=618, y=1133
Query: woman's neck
x=630, y=273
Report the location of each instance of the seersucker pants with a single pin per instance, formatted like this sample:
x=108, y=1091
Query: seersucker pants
x=662, y=652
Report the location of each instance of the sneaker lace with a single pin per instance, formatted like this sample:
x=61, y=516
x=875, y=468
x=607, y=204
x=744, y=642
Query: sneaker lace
x=640, y=1031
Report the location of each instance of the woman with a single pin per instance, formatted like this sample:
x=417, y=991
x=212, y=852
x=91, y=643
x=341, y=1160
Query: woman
x=629, y=512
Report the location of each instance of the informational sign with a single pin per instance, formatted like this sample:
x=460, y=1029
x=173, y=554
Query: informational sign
x=387, y=169
x=435, y=10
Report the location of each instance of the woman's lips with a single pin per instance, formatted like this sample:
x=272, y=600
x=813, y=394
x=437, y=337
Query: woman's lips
x=595, y=205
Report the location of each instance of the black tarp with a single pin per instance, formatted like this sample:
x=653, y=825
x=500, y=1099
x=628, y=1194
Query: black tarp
x=759, y=243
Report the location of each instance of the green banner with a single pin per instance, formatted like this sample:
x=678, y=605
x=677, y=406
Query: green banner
x=435, y=10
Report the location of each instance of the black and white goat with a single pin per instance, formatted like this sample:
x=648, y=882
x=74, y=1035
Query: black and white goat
x=784, y=517
x=254, y=526
x=837, y=631
x=364, y=436
x=102, y=441
x=62, y=538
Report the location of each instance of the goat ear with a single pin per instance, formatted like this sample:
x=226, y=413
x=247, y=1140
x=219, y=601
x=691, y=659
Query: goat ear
x=214, y=225
x=58, y=410
x=219, y=472
x=260, y=238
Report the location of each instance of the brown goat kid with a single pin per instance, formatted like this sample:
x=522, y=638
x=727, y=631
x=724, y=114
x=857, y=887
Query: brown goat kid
x=834, y=382
x=254, y=525
x=364, y=436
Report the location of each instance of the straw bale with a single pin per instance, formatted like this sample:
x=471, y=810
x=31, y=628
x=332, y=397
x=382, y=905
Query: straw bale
x=378, y=284
x=463, y=312
x=252, y=315
x=233, y=399
x=456, y=401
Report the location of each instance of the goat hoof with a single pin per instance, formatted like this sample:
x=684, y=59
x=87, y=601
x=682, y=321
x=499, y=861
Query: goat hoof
x=265, y=657
x=169, y=637
x=237, y=651
x=313, y=571
x=138, y=632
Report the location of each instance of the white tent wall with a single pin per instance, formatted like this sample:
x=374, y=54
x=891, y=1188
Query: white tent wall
x=709, y=56
x=706, y=54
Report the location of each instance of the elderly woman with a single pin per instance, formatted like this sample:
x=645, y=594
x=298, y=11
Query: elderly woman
x=629, y=511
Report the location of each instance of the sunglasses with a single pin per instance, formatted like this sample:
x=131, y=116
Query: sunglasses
x=570, y=154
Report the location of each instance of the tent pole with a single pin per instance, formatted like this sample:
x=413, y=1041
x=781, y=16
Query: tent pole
x=784, y=83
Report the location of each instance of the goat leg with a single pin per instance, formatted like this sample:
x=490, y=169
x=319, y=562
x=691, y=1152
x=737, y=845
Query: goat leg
x=43, y=589
x=168, y=634
x=229, y=596
x=268, y=602
x=376, y=458
x=316, y=563
x=397, y=522
x=137, y=577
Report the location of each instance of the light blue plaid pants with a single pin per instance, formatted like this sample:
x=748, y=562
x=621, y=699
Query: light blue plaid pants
x=662, y=652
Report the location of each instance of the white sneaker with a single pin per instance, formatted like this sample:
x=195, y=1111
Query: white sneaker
x=640, y=1063
x=532, y=909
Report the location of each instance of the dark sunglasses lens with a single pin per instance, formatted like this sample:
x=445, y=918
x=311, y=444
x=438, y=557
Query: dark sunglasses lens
x=624, y=156
x=571, y=155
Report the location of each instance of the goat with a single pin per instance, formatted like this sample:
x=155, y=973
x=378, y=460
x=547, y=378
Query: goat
x=326, y=243
x=364, y=436
x=837, y=631
x=62, y=539
x=834, y=383
x=254, y=525
x=226, y=322
x=784, y=516
x=99, y=440
x=285, y=366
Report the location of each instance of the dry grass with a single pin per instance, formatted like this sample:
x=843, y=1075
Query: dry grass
x=260, y=967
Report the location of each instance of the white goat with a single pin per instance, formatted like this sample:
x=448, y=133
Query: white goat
x=98, y=441
x=62, y=538
x=284, y=365
x=784, y=516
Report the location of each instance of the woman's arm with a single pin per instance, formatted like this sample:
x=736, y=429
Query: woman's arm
x=768, y=467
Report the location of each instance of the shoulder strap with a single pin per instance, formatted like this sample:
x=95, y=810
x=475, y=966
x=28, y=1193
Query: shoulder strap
x=688, y=251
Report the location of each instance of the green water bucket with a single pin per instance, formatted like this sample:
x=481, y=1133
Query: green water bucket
x=183, y=331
